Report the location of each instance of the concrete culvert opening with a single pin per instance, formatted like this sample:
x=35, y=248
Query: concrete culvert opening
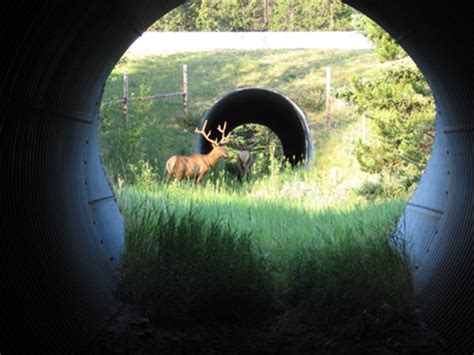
x=60, y=224
x=268, y=108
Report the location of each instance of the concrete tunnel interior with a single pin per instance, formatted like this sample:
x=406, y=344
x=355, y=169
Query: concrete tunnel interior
x=61, y=229
x=268, y=108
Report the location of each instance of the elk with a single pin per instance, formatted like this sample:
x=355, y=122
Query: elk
x=244, y=163
x=245, y=160
x=195, y=166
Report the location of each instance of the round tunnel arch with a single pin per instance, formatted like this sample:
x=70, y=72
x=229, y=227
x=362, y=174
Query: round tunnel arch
x=266, y=107
x=60, y=224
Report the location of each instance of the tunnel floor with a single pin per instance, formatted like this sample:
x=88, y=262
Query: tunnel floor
x=387, y=331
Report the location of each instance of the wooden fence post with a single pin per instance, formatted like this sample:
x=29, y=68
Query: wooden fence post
x=266, y=12
x=328, y=99
x=125, y=97
x=125, y=100
x=185, y=93
x=364, y=128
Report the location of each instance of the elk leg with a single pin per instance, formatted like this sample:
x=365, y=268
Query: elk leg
x=199, y=178
x=178, y=176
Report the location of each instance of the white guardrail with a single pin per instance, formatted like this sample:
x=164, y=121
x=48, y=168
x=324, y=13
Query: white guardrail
x=166, y=42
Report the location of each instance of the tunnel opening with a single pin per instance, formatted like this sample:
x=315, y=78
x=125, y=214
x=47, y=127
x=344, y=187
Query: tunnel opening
x=52, y=195
x=265, y=107
x=239, y=107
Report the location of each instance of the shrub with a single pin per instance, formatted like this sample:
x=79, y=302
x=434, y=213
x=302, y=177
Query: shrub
x=400, y=108
x=383, y=187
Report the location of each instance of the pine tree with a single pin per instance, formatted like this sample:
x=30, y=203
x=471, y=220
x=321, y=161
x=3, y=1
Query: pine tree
x=206, y=19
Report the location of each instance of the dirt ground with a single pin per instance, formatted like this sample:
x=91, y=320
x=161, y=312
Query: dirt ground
x=389, y=332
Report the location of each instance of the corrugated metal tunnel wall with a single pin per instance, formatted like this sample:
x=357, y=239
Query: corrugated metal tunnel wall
x=60, y=228
x=438, y=221
x=266, y=107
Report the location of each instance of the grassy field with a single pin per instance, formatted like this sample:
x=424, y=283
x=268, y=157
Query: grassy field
x=156, y=130
x=215, y=252
x=301, y=238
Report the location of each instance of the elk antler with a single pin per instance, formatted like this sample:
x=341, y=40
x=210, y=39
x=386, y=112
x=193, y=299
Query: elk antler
x=224, y=138
x=206, y=135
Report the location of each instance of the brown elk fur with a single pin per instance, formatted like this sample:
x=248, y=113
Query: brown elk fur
x=195, y=166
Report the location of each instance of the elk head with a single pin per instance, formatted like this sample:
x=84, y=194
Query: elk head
x=217, y=145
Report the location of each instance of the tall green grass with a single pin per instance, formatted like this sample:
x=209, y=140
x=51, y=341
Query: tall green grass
x=219, y=253
x=359, y=269
x=187, y=269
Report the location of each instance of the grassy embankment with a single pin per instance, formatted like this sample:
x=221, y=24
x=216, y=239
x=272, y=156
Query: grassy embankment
x=300, y=239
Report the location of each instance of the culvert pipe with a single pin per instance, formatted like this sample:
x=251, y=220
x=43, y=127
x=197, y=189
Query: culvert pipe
x=60, y=230
x=438, y=222
x=266, y=107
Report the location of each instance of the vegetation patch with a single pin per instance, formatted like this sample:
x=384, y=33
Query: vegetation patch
x=313, y=242
x=189, y=260
x=188, y=269
x=157, y=130
x=340, y=277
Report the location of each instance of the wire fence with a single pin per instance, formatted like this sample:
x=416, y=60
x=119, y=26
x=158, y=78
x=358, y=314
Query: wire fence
x=184, y=93
x=330, y=123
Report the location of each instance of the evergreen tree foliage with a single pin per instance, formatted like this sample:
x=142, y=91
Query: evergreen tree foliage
x=399, y=104
x=249, y=15
x=182, y=18
x=386, y=47
x=206, y=19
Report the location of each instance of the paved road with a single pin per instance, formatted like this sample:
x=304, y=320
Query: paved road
x=169, y=42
